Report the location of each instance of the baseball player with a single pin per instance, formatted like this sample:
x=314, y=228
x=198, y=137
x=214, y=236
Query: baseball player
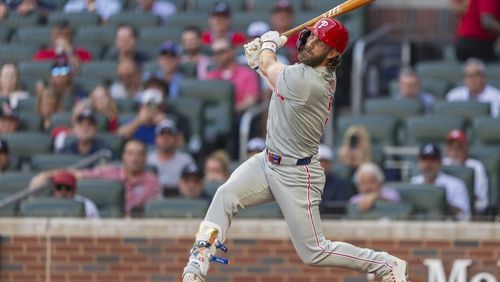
x=288, y=170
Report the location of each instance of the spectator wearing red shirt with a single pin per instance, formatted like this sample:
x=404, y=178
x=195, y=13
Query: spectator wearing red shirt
x=220, y=26
x=282, y=17
x=478, y=28
x=61, y=44
x=243, y=78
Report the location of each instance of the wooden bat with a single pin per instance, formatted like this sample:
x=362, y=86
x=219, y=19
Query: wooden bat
x=340, y=9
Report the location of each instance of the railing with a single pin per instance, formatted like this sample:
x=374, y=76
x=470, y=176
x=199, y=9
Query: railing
x=103, y=154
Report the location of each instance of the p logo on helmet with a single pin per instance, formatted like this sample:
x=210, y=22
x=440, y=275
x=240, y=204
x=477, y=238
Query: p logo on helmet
x=322, y=23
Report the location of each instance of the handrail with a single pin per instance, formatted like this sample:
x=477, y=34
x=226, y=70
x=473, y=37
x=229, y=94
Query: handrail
x=26, y=192
x=245, y=124
x=359, y=63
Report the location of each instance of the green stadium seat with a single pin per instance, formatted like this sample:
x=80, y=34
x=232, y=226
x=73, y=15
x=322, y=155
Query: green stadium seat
x=466, y=109
x=448, y=71
x=431, y=128
x=210, y=188
x=206, y=5
x=380, y=210
x=487, y=131
x=103, y=70
x=114, y=141
x=58, y=4
x=96, y=50
x=180, y=20
x=492, y=70
x=126, y=105
x=176, y=208
x=38, y=36
x=75, y=20
x=96, y=34
x=241, y=21
x=29, y=121
x=27, y=105
x=16, y=52
x=189, y=70
x=15, y=21
x=9, y=210
x=14, y=181
x=491, y=161
x=88, y=83
x=61, y=119
x=158, y=34
x=14, y=163
x=428, y=201
x=465, y=174
x=397, y=108
x=27, y=144
x=436, y=87
x=137, y=19
x=52, y=161
x=192, y=109
x=382, y=128
x=268, y=210
x=51, y=207
x=35, y=69
x=4, y=34
x=107, y=195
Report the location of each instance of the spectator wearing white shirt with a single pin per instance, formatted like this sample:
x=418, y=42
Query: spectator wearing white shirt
x=457, y=153
x=456, y=193
x=103, y=8
x=476, y=88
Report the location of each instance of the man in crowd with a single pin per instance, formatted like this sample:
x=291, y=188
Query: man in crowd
x=129, y=84
x=168, y=61
x=410, y=89
x=192, y=51
x=282, y=19
x=191, y=183
x=219, y=24
x=126, y=45
x=430, y=166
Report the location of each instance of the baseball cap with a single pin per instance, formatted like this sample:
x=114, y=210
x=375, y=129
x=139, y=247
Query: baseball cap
x=6, y=111
x=169, y=48
x=457, y=135
x=166, y=125
x=64, y=177
x=151, y=97
x=257, y=28
x=325, y=153
x=429, y=151
x=283, y=6
x=221, y=8
x=191, y=170
x=256, y=144
x=4, y=147
x=86, y=114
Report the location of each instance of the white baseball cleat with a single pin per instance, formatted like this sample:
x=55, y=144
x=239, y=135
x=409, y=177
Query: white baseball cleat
x=399, y=271
x=191, y=277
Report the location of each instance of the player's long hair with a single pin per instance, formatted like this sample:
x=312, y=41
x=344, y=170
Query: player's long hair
x=334, y=63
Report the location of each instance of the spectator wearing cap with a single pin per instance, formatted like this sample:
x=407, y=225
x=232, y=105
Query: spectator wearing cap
x=103, y=8
x=4, y=156
x=160, y=8
x=429, y=163
x=217, y=167
x=168, y=62
x=457, y=153
x=336, y=191
x=10, y=84
x=129, y=84
x=219, y=24
x=282, y=19
x=476, y=88
x=192, y=51
x=191, y=183
x=64, y=186
x=243, y=78
x=142, y=127
x=84, y=130
x=126, y=45
x=255, y=146
x=9, y=119
x=166, y=157
x=410, y=89
x=369, y=180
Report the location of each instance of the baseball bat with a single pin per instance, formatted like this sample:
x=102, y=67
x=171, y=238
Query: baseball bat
x=340, y=9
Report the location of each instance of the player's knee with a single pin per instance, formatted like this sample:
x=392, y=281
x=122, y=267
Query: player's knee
x=311, y=258
x=225, y=197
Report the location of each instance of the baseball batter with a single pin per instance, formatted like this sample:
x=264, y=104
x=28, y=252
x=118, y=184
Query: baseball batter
x=288, y=171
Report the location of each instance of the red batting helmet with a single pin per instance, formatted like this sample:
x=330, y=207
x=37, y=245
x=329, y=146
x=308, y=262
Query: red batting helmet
x=331, y=32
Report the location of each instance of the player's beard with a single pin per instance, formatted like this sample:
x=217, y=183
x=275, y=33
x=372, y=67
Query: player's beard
x=306, y=57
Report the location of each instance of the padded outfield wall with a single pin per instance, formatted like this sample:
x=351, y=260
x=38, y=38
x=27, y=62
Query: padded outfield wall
x=39, y=250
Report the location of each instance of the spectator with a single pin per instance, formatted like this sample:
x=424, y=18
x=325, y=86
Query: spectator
x=9, y=119
x=369, y=179
x=356, y=147
x=64, y=186
x=217, y=167
x=475, y=87
x=457, y=196
x=336, y=189
x=4, y=156
x=160, y=8
x=243, y=78
x=219, y=24
x=192, y=51
x=140, y=185
x=410, y=89
x=85, y=130
x=282, y=19
x=10, y=85
x=142, y=127
x=168, y=61
x=103, y=8
x=255, y=146
x=62, y=45
x=101, y=102
x=166, y=157
x=478, y=28
x=24, y=7
x=126, y=45
x=191, y=183
x=457, y=153
x=129, y=84
x=48, y=102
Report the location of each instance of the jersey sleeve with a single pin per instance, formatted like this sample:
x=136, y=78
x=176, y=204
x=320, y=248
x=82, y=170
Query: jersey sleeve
x=489, y=7
x=292, y=83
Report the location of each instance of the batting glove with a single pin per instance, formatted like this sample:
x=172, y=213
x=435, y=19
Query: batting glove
x=272, y=40
x=252, y=51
